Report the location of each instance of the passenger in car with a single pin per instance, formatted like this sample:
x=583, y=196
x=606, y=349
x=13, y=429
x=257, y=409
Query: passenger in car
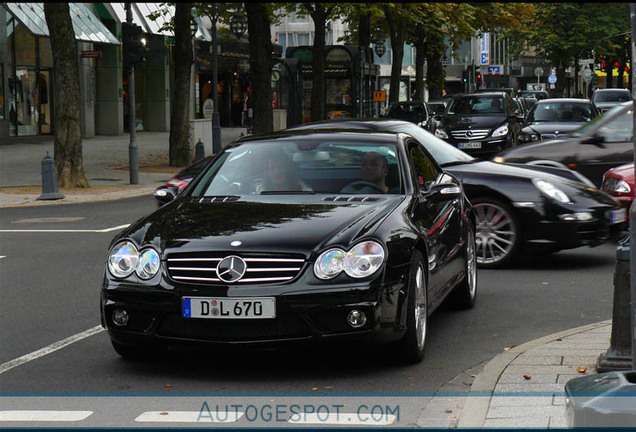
x=280, y=175
x=373, y=171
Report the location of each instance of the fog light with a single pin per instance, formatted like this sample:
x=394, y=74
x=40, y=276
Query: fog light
x=120, y=317
x=581, y=217
x=356, y=319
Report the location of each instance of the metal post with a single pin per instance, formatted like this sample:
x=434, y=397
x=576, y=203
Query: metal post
x=632, y=211
x=216, y=124
x=132, y=123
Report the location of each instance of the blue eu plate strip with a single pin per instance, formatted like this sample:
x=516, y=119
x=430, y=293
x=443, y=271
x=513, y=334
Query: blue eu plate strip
x=186, y=308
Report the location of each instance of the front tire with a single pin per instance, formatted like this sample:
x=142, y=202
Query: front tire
x=498, y=232
x=464, y=294
x=413, y=343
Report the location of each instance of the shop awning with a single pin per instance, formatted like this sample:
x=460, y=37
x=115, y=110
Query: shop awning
x=88, y=28
x=141, y=11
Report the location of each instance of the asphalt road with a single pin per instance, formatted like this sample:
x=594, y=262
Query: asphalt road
x=49, y=291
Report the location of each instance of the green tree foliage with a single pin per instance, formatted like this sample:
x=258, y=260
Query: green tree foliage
x=66, y=98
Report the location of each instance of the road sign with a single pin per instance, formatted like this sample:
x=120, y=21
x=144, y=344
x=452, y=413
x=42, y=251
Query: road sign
x=538, y=71
x=379, y=96
x=552, y=79
x=587, y=73
x=484, y=58
x=585, y=61
x=494, y=70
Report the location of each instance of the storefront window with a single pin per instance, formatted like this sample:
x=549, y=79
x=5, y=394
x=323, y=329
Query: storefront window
x=26, y=55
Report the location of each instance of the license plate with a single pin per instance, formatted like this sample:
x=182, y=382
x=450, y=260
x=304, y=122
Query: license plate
x=226, y=308
x=469, y=145
x=618, y=216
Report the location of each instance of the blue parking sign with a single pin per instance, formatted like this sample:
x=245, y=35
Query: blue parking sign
x=552, y=79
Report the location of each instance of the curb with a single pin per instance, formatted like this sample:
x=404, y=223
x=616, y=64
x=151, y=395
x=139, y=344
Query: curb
x=476, y=407
x=31, y=200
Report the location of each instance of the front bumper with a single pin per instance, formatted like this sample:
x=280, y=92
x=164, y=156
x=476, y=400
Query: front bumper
x=155, y=316
x=481, y=147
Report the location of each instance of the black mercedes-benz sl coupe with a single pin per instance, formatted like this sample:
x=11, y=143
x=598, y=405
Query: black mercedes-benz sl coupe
x=296, y=236
x=517, y=207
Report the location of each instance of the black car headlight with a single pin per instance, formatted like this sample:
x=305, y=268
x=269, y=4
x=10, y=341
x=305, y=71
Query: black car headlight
x=552, y=191
x=500, y=131
x=361, y=261
x=529, y=137
x=441, y=133
x=124, y=259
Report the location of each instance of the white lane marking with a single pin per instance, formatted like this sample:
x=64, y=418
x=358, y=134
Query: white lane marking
x=49, y=349
x=189, y=417
x=105, y=230
x=2, y=256
x=44, y=416
x=365, y=419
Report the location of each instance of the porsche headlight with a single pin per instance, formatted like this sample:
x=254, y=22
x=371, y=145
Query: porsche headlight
x=616, y=186
x=149, y=263
x=552, y=191
x=529, y=137
x=364, y=259
x=361, y=261
x=329, y=264
x=123, y=259
x=500, y=131
x=441, y=133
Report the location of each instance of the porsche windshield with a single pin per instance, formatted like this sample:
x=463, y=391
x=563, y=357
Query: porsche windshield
x=302, y=167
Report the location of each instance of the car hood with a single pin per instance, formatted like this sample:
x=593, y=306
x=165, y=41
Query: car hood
x=515, y=181
x=545, y=127
x=289, y=224
x=490, y=121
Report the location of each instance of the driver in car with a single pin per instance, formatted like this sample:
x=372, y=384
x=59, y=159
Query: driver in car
x=373, y=173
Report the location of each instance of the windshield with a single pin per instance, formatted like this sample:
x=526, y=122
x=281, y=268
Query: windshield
x=476, y=105
x=444, y=153
x=612, y=96
x=561, y=112
x=300, y=167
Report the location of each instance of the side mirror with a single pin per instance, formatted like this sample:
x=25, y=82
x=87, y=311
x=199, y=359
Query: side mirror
x=596, y=139
x=444, y=192
x=165, y=194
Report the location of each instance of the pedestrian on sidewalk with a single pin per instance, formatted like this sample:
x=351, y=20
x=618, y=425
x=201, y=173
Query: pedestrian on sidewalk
x=245, y=117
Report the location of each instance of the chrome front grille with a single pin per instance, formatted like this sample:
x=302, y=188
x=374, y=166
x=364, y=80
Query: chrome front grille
x=470, y=134
x=200, y=268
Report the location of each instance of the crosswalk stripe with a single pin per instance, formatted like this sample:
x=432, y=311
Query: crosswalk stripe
x=189, y=417
x=44, y=416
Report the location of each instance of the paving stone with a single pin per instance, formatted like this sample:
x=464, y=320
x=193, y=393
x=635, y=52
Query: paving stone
x=515, y=377
x=558, y=421
x=579, y=360
x=515, y=401
x=528, y=387
x=540, y=369
x=523, y=422
x=539, y=360
x=544, y=411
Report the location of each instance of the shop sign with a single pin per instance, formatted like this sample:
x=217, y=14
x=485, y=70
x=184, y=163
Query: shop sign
x=338, y=55
x=92, y=54
x=379, y=96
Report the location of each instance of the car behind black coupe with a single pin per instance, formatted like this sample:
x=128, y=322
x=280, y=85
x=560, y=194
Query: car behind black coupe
x=264, y=246
x=517, y=207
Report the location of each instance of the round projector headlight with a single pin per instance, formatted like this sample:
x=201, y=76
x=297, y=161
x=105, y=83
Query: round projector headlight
x=123, y=259
x=364, y=259
x=149, y=263
x=500, y=131
x=329, y=264
x=552, y=191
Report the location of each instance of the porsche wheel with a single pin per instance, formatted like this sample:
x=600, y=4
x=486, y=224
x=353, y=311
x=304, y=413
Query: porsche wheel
x=498, y=237
x=465, y=293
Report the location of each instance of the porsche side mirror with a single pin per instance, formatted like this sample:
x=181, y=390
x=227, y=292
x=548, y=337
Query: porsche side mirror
x=165, y=194
x=596, y=139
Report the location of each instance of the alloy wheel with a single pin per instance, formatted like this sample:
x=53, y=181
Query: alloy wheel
x=496, y=233
x=421, y=308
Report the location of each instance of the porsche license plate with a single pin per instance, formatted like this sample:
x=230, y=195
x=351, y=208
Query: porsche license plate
x=229, y=307
x=618, y=216
x=469, y=145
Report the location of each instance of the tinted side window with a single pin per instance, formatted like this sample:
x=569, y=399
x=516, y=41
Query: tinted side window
x=423, y=167
x=619, y=129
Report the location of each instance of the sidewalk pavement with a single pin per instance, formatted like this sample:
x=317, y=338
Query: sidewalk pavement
x=521, y=387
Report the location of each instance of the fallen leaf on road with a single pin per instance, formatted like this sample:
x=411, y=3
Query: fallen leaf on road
x=558, y=339
x=410, y=378
x=168, y=385
x=448, y=410
x=527, y=376
x=163, y=413
x=467, y=383
x=473, y=375
x=581, y=369
x=314, y=389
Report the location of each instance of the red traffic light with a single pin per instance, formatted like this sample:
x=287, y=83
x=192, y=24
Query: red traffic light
x=478, y=76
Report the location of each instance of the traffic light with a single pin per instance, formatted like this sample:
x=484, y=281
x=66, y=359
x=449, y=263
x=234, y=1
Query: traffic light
x=133, y=47
x=465, y=76
x=478, y=76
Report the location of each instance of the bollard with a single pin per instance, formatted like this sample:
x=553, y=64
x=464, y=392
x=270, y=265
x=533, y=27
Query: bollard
x=618, y=356
x=49, y=180
x=199, y=151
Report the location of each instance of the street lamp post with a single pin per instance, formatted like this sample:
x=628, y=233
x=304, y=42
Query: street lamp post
x=215, y=9
x=133, y=161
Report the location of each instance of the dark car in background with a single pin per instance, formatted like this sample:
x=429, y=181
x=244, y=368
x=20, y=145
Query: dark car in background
x=606, y=99
x=265, y=247
x=481, y=124
x=534, y=94
x=555, y=118
x=518, y=208
x=522, y=105
x=413, y=111
x=511, y=92
x=591, y=150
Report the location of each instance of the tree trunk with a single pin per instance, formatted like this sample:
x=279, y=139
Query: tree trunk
x=420, y=58
x=67, y=100
x=319, y=15
x=396, y=30
x=435, y=71
x=261, y=63
x=179, y=154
